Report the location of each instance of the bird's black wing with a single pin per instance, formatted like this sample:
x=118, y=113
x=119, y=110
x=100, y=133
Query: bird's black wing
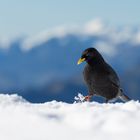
x=116, y=82
x=113, y=77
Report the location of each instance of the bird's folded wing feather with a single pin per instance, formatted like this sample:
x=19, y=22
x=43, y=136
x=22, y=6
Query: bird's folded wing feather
x=113, y=77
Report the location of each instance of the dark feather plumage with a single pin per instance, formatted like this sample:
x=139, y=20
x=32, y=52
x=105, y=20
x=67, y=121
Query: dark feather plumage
x=100, y=77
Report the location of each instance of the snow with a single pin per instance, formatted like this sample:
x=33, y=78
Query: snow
x=21, y=120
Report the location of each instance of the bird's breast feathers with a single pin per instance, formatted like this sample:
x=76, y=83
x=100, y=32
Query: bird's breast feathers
x=96, y=78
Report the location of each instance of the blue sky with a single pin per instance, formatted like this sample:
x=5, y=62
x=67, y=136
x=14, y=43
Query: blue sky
x=32, y=16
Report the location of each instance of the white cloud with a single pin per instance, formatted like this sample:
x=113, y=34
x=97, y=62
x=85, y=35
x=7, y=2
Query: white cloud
x=136, y=38
x=94, y=27
x=44, y=36
x=4, y=42
x=117, y=36
x=97, y=27
x=106, y=48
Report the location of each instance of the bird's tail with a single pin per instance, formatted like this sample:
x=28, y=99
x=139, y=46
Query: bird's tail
x=123, y=97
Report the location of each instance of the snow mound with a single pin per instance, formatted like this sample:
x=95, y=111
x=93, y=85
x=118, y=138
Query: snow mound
x=21, y=120
x=11, y=99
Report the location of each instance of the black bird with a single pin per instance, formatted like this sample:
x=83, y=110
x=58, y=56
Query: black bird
x=100, y=77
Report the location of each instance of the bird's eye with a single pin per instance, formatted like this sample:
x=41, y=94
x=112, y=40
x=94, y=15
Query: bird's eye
x=87, y=55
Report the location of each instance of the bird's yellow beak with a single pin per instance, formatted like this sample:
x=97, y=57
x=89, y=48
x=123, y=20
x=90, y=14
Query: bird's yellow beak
x=80, y=61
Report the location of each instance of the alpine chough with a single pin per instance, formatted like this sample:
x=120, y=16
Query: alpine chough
x=100, y=78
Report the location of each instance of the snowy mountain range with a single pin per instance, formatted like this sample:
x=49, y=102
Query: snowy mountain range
x=43, y=67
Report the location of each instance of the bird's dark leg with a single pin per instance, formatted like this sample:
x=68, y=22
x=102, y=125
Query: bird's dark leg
x=88, y=97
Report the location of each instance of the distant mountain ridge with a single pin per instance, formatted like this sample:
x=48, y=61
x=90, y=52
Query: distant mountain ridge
x=48, y=69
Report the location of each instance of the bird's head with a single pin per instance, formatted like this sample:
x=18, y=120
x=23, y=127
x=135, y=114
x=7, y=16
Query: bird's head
x=90, y=55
